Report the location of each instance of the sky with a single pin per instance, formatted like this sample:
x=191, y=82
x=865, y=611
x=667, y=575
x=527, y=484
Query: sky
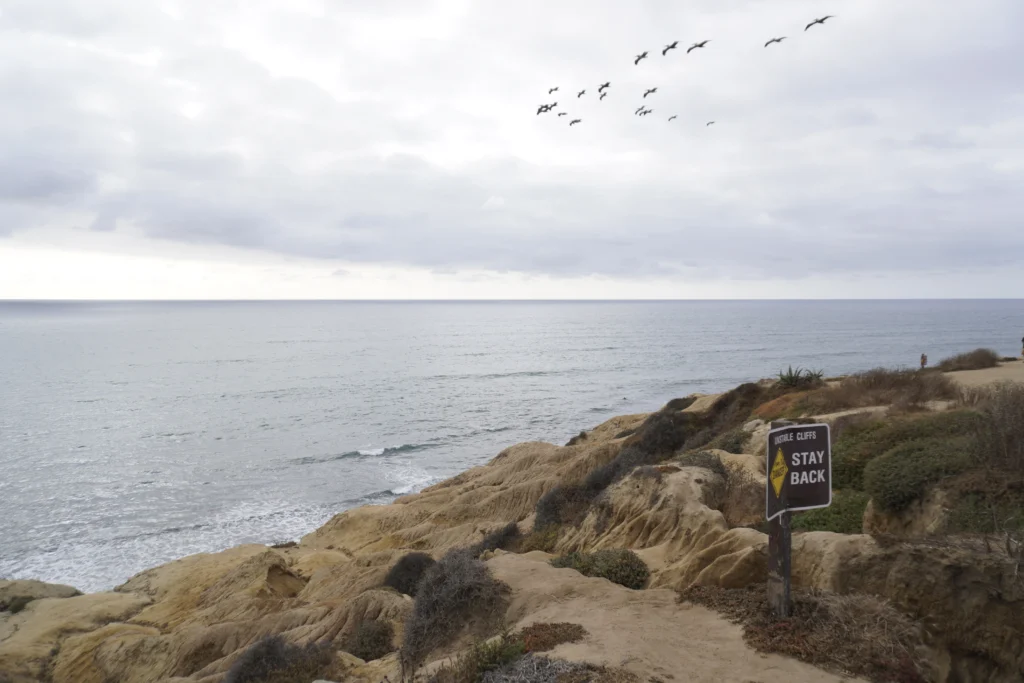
x=307, y=149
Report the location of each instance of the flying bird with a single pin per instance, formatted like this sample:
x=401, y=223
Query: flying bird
x=645, y=112
x=563, y=113
x=603, y=95
x=581, y=93
x=639, y=109
x=708, y=124
x=650, y=92
x=551, y=90
x=642, y=55
x=672, y=117
x=819, y=21
x=543, y=108
x=696, y=45
x=671, y=46
x=552, y=105
x=775, y=40
x=574, y=122
x=604, y=85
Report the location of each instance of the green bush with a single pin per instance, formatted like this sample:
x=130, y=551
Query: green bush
x=1001, y=428
x=564, y=504
x=978, y=359
x=407, y=572
x=619, y=566
x=861, y=442
x=273, y=660
x=472, y=666
x=844, y=516
x=370, y=640
x=502, y=537
x=454, y=591
x=901, y=475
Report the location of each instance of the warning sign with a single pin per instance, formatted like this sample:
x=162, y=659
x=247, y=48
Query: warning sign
x=799, y=469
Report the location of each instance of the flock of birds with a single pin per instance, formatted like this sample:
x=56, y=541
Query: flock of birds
x=642, y=110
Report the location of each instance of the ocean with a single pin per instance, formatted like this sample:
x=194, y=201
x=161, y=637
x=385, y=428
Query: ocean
x=132, y=434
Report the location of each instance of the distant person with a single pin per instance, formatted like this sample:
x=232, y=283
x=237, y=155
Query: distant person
x=924, y=360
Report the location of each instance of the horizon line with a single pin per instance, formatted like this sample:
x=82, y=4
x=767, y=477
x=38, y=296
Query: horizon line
x=696, y=300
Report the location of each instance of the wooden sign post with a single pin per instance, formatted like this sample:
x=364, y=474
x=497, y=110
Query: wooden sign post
x=799, y=467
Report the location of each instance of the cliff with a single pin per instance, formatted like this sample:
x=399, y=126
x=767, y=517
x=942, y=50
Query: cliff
x=693, y=520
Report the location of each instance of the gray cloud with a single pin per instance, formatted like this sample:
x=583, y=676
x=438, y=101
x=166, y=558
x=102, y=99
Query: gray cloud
x=404, y=133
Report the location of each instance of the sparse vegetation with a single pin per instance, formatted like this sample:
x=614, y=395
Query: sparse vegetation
x=625, y=432
x=704, y=459
x=534, y=669
x=844, y=516
x=503, y=537
x=979, y=359
x=902, y=474
x=543, y=539
x=407, y=572
x=731, y=441
x=274, y=660
x=801, y=378
x=454, y=592
x=564, y=504
x=678, y=404
x=15, y=604
x=579, y=438
x=619, y=566
x=908, y=389
x=370, y=640
x=471, y=666
x=1001, y=431
x=858, y=634
x=543, y=636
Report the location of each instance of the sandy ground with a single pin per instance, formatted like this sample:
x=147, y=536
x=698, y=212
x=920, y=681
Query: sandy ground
x=645, y=632
x=1005, y=372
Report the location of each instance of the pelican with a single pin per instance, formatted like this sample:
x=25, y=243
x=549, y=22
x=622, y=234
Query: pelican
x=708, y=124
x=650, y=92
x=563, y=113
x=580, y=93
x=819, y=21
x=696, y=45
x=551, y=90
x=603, y=95
x=604, y=85
x=672, y=117
x=775, y=40
x=543, y=108
x=671, y=46
x=642, y=55
x=639, y=109
x=574, y=122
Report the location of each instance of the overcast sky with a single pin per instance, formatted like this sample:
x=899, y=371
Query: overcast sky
x=391, y=149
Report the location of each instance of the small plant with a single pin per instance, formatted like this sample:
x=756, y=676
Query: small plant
x=979, y=359
x=901, y=475
x=544, y=539
x=370, y=640
x=502, y=538
x=472, y=666
x=731, y=441
x=543, y=637
x=407, y=572
x=579, y=438
x=619, y=566
x=454, y=591
x=274, y=660
x=801, y=378
x=1001, y=430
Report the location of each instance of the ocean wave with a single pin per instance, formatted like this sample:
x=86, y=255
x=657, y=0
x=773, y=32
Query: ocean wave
x=362, y=453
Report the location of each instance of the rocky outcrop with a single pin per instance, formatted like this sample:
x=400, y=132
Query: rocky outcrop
x=190, y=619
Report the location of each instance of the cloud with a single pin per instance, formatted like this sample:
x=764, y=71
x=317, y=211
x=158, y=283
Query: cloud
x=404, y=134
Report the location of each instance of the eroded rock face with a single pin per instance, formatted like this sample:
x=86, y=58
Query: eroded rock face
x=189, y=620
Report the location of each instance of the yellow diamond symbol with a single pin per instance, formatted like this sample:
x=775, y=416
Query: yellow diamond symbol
x=778, y=473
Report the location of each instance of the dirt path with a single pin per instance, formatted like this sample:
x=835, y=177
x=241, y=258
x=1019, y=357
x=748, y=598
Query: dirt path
x=1005, y=372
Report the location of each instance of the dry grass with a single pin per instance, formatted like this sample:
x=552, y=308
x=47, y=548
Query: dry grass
x=1001, y=433
x=543, y=637
x=370, y=640
x=855, y=634
x=473, y=665
x=979, y=359
x=906, y=389
x=454, y=593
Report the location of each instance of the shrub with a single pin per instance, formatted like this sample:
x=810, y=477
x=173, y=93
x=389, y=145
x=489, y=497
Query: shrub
x=563, y=504
x=906, y=388
x=980, y=514
x=844, y=516
x=662, y=434
x=453, y=592
x=273, y=660
x=978, y=359
x=708, y=461
x=858, y=634
x=407, y=572
x=543, y=637
x=619, y=566
x=678, y=404
x=534, y=669
x=370, y=640
x=579, y=438
x=900, y=476
x=626, y=432
x=499, y=538
x=731, y=441
x=539, y=539
x=1000, y=432
x=15, y=604
x=801, y=378
x=860, y=442
x=471, y=666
